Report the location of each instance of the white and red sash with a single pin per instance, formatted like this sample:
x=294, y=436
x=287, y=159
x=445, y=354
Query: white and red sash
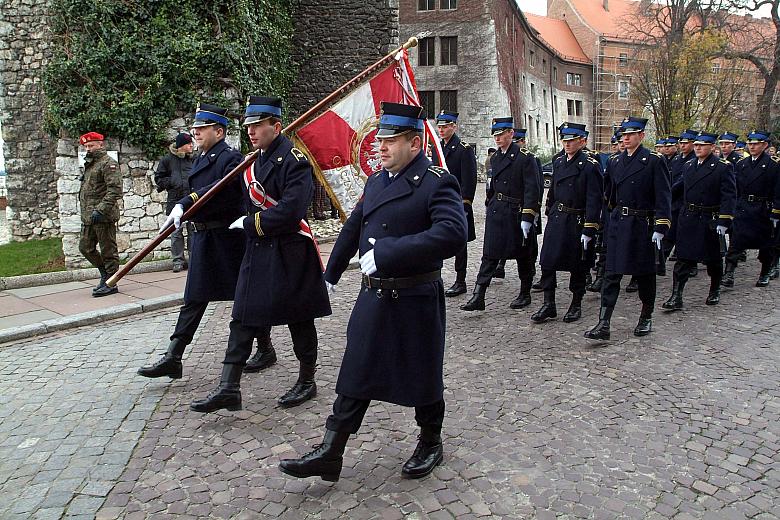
x=265, y=201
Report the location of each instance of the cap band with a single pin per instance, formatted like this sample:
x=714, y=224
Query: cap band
x=204, y=115
x=259, y=110
x=401, y=121
x=447, y=117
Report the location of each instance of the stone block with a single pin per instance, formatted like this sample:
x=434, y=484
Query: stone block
x=68, y=204
x=133, y=201
x=142, y=186
x=68, y=185
x=70, y=224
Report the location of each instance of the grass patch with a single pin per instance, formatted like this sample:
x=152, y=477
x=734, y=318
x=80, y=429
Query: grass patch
x=32, y=257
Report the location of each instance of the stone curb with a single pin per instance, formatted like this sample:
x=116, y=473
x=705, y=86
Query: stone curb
x=89, y=318
x=76, y=275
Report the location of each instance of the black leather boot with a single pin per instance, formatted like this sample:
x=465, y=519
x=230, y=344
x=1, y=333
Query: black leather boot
x=728, y=276
x=537, y=286
x=524, y=298
x=458, y=288
x=645, y=324
x=597, y=282
x=575, y=309
x=263, y=358
x=633, y=285
x=675, y=301
x=547, y=310
x=713, y=298
x=227, y=395
x=168, y=365
x=303, y=389
x=601, y=330
x=763, y=277
x=324, y=462
x=102, y=281
x=427, y=455
x=477, y=300
x=774, y=272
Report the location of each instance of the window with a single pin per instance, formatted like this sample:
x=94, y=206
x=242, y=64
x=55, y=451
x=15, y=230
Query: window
x=555, y=73
x=426, y=5
x=544, y=63
x=426, y=52
x=537, y=129
x=574, y=107
x=449, y=50
x=570, y=107
x=555, y=105
x=623, y=59
x=578, y=108
x=533, y=94
x=428, y=101
x=448, y=100
x=448, y=4
x=547, y=131
x=623, y=88
x=531, y=58
x=544, y=97
x=574, y=79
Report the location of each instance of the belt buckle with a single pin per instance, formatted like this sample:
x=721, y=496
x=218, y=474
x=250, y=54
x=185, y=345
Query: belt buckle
x=560, y=206
x=691, y=207
x=624, y=211
x=500, y=196
x=751, y=198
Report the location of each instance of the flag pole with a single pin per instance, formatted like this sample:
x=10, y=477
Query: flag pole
x=252, y=157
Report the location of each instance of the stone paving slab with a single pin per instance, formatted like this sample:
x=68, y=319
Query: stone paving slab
x=43, y=290
x=33, y=316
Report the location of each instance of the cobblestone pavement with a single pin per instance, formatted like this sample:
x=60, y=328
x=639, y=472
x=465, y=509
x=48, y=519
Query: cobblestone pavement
x=540, y=423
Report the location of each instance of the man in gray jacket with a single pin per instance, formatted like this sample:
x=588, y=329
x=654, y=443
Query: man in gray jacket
x=171, y=176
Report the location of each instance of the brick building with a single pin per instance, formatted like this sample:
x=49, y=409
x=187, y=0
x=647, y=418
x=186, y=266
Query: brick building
x=486, y=58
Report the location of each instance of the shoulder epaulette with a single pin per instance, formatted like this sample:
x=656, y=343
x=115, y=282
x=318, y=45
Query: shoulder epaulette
x=465, y=145
x=299, y=155
x=525, y=151
x=724, y=161
x=437, y=170
x=653, y=152
x=776, y=159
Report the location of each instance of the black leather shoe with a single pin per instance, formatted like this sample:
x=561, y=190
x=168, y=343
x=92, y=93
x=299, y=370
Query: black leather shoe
x=263, y=358
x=713, y=298
x=522, y=300
x=457, y=289
x=763, y=280
x=596, y=285
x=728, y=279
x=675, y=301
x=601, y=330
x=226, y=396
x=427, y=455
x=546, y=312
x=104, y=291
x=537, y=287
x=303, y=389
x=643, y=327
x=477, y=300
x=774, y=273
x=169, y=365
x=573, y=314
x=324, y=462
x=633, y=286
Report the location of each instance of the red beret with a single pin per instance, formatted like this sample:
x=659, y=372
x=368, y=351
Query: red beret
x=90, y=136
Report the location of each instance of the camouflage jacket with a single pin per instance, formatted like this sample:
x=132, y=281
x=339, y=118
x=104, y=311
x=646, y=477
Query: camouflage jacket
x=101, y=187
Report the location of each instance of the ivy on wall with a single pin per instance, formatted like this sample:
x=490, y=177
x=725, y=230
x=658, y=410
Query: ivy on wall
x=125, y=68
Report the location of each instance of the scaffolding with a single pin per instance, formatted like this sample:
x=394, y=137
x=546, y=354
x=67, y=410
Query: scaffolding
x=611, y=93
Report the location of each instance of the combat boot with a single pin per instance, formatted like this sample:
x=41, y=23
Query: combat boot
x=226, y=396
x=103, y=278
x=675, y=301
x=763, y=277
x=459, y=287
x=168, y=365
x=575, y=309
x=547, y=310
x=263, y=358
x=597, y=282
x=728, y=275
x=303, y=389
x=477, y=301
x=324, y=461
x=524, y=298
x=601, y=330
x=428, y=454
x=645, y=324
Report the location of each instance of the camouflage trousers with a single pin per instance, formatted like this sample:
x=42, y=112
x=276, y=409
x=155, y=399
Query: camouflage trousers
x=103, y=235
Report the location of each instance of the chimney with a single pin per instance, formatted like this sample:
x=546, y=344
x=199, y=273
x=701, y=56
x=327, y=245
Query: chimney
x=606, y=5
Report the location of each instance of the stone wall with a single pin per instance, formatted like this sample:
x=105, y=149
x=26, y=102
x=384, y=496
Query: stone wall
x=334, y=41
x=29, y=151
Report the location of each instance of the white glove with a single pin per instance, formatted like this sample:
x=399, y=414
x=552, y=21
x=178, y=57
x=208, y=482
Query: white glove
x=721, y=230
x=367, y=262
x=774, y=221
x=526, y=227
x=174, y=218
x=657, y=237
x=331, y=287
x=237, y=224
x=585, y=239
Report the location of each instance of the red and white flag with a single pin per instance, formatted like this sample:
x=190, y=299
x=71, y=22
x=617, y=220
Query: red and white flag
x=341, y=142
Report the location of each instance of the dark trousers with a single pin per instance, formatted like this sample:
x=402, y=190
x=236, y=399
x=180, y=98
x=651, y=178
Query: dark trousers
x=766, y=255
x=348, y=415
x=684, y=268
x=239, y=347
x=190, y=315
x=526, y=264
x=577, y=281
x=611, y=288
x=461, y=260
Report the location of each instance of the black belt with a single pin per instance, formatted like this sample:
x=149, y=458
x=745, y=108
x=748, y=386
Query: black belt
x=211, y=224
x=565, y=209
x=754, y=198
x=400, y=283
x=626, y=211
x=511, y=200
x=696, y=208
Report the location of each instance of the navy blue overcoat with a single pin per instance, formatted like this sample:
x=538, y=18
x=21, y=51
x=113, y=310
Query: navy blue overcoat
x=755, y=194
x=462, y=163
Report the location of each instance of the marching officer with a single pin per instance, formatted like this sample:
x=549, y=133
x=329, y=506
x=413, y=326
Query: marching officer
x=101, y=189
x=637, y=189
x=670, y=150
x=462, y=163
x=280, y=279
x=520, y=139
x=600, y=245
x=752, y=227
x=215, y=251
x=728, y=147
x=512, y=207
x=677, y=164
x=709, y=196
x=574, y=208
x=408, y=221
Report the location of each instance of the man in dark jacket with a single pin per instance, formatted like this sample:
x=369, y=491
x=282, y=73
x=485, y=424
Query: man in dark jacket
x=171, y=176
x=462, y=163
x=280, y=280
x=408, y=221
